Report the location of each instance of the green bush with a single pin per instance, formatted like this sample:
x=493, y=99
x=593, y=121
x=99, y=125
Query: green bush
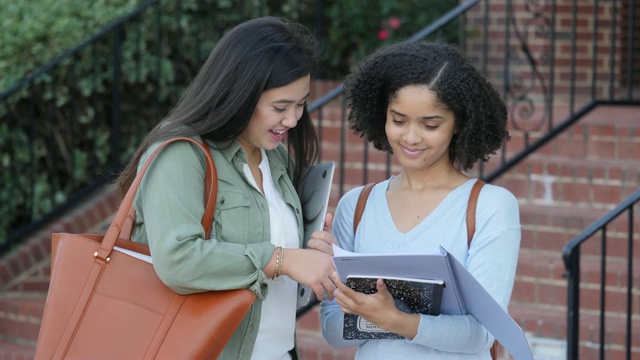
x=34, y=32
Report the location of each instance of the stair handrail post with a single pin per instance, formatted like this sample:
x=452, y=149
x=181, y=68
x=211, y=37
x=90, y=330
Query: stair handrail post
x=572, y=263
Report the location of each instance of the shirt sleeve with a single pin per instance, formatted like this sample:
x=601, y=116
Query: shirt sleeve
x=492, y=260
x=170, y=203
x=331, y=316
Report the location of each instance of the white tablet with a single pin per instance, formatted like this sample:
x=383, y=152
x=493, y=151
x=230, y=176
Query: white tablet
x=314, y=197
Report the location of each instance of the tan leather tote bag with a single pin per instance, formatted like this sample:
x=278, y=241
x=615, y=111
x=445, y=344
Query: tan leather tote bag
x=105, y=304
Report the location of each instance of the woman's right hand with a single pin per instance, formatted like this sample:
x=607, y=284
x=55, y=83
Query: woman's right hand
x=311, y=268
x=323, y=240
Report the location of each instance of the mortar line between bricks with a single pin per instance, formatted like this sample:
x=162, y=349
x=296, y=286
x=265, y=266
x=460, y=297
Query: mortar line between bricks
x=19, y=317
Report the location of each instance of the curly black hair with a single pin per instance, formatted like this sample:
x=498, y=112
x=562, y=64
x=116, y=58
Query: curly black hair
x=480, y=114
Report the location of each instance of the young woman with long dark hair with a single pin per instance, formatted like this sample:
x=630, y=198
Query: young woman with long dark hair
x=250, y=94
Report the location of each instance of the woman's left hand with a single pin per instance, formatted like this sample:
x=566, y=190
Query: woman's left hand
x=379, y=308
x=323, y=240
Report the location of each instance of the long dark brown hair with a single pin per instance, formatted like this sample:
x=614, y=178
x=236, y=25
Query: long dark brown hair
x=253, y=57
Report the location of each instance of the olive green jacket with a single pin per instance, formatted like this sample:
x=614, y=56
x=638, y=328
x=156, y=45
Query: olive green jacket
x=169, y=206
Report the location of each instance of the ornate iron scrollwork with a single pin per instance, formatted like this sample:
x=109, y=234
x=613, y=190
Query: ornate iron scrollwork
x=528, y=96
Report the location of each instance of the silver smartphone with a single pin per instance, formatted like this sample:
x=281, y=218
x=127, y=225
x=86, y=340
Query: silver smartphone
x=314, y=197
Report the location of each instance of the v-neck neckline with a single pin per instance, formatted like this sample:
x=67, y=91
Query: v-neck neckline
x=386, y=213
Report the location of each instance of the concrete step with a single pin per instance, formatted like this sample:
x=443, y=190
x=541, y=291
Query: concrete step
x=34, y=280
x=551, y=322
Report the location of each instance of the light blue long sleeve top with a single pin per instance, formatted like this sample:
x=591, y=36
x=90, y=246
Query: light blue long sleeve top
x=491, y=259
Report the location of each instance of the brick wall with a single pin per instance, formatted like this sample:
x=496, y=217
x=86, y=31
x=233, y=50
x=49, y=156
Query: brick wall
x=531, y=22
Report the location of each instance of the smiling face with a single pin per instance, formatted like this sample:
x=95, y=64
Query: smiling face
x=419, y=129
x=277, y=111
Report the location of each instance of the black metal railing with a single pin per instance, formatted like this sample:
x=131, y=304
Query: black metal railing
x=64, y=128
x=616, y=84
x=572, y=260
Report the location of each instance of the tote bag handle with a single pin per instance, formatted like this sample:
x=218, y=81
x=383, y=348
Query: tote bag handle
x=126, y=207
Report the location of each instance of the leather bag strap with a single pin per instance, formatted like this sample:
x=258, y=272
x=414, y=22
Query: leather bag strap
x=471, y=210
x=362, y=202
x=127, y=228
x=124, y=211
x=471, y=229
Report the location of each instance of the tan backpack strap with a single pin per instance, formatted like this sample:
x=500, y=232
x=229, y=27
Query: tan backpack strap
x=471, y=229
x=362, y=202
x=494, y=350
x=471, y=210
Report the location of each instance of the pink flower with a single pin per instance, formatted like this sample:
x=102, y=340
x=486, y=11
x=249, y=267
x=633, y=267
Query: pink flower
x=383, y=34
x=394, y=22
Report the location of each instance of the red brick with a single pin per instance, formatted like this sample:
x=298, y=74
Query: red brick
x=549, y=322
x=35, y=285
x=91, y=218
x=46, y=245
x=310, y=320
x=14, y=266
x=524, y=291
x=571, y=148
x=552, y=294
x=66, y=225
x=601, y=149
x=629, y=149
x=35, y=251
x=102, y=210
x=19, y=329
x=551, y=241
x=607, y=194
x=5, y=273
x=576, y=193
x=12, y=351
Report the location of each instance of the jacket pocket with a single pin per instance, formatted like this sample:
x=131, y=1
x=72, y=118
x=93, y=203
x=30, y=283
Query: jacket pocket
x=231, y=218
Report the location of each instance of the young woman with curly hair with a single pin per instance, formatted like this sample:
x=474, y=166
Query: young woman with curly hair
x=426, y=105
